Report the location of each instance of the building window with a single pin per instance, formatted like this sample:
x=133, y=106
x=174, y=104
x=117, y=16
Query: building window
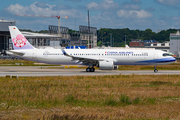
x=175, y=38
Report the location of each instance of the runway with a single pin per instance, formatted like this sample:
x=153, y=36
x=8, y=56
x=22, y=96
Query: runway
x=45, y=71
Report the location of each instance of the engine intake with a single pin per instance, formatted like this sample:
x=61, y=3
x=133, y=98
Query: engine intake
x=107, y=65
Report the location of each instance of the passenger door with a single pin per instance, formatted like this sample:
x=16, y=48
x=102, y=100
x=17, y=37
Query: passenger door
x=155, y=56
x=34, y=55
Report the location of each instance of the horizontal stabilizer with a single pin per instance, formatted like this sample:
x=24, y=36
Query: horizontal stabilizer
x=15, y=53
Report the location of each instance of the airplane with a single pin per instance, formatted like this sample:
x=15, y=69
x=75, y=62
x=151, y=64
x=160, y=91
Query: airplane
x=105, y=59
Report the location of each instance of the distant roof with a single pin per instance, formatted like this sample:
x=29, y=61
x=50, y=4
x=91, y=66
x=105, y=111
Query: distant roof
x=38, y=35
x=6, y=21
x=4, y=25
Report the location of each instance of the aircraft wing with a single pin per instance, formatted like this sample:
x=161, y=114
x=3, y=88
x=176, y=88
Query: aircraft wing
x=87, y=59
x=84, y=59
x=15, y=53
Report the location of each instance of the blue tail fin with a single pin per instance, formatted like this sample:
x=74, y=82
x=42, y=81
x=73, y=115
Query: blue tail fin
x=18, y=40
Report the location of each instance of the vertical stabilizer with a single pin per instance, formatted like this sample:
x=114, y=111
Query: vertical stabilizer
x=18, y=40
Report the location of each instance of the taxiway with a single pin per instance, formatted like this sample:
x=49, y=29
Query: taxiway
x=45, y=71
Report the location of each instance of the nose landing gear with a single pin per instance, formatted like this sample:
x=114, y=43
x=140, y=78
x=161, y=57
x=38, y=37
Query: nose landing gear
x=155, y=70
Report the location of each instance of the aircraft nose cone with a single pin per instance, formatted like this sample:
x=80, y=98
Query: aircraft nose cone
x=172, y=59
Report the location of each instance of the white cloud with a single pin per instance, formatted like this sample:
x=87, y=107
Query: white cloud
x=92, y=5
x=43, y=9
x=168, y=2
x=61, y=7
x=41, y=4
x=143, y=24
x=108, y=4
x=134, y=14
x=103, y=5
x=34, y=9
x=131, y=7
x=104, y=16
x=17, y=8
x=106, y=19
x=111, y=16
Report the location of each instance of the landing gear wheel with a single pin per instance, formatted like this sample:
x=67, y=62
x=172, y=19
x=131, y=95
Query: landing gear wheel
x=92, y=69
x=88, y=70
x=155, y=70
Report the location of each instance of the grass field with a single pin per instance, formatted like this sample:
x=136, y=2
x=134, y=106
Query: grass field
x=91, y=97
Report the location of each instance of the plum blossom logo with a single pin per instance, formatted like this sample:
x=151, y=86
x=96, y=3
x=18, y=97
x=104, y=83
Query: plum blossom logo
x=19, y=41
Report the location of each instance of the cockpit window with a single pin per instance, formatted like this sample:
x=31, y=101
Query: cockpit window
x=167, y=54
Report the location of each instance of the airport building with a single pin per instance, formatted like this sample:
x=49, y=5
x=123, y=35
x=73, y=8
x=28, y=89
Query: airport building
x=65, y=39
x=87, y=36
x=5, y=35
x=135, y=43
x=165, y=46
x=140, y=43
x=42, y=40
x=175, y=43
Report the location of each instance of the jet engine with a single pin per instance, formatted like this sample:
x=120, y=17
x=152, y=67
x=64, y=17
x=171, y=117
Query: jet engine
x=107, y=65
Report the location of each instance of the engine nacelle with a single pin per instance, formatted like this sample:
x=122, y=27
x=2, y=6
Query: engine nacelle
x=107, y=65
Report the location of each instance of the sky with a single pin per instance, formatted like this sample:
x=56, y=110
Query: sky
x=117, y=14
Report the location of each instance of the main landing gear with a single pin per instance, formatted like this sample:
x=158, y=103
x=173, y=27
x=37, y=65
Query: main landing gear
x=90, y=69
x=155, y=70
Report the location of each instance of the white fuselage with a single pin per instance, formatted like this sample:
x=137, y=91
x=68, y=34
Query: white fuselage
x=118, y=56
x=105, y=59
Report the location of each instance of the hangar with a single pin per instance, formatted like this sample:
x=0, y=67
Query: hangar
x=87, y=36
x=5, y=35
x=175, y=43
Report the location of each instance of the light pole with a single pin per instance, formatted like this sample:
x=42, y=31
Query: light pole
x=102, y=42
x=111, y=39
x=125, y=40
